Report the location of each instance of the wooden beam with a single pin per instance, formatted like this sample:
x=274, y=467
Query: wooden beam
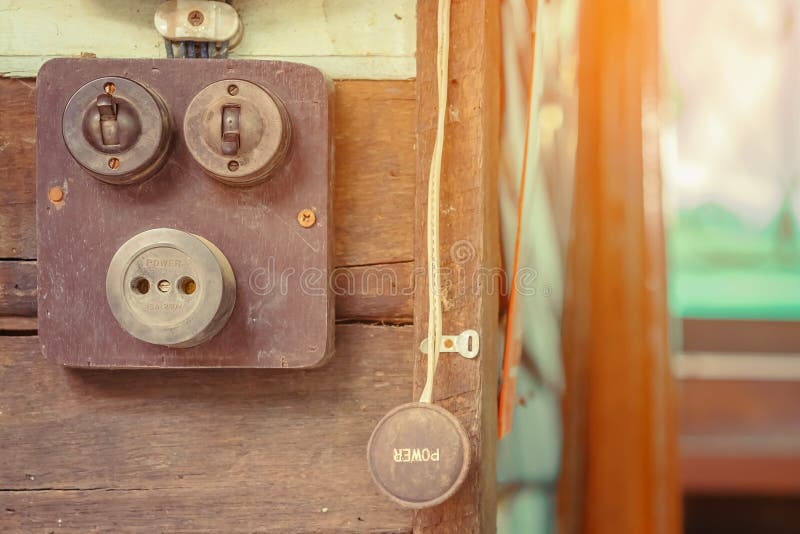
x=18, y=288
x=379, y=293
x=17, y=169
x=223, y=451
x=469, y=242
x=375, y=170
x=620, y=466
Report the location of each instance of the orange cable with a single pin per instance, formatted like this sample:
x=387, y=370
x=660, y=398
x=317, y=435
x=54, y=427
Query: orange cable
x=505, y=383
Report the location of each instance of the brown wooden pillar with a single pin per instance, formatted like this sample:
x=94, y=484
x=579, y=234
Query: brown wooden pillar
x=620, y=463
x=469, y=242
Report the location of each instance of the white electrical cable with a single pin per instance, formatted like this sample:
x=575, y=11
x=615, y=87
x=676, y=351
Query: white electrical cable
x=434, y=180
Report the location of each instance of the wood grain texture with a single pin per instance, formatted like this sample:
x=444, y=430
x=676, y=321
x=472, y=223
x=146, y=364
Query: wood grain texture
x=257, y=451
x=469, y=243
x=18, y=288
x=620, y=464
x=374, y=182
x=382, y=293
x=17, y=325
x=374, y=194
x=17, y=170
x=219, y=451
x=375, y=170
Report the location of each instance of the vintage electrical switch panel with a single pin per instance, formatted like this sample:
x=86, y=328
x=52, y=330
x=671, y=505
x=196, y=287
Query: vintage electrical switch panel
x=184, y=213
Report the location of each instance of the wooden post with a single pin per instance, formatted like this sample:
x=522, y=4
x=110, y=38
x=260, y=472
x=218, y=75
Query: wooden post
x=620, y=462
x=469, y=242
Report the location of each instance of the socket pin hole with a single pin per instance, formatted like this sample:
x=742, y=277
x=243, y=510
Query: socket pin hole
x=187, y=285
x=140, y=285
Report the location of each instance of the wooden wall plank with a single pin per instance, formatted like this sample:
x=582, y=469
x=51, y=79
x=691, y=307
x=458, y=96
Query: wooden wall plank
x=469, y=242
x=382, y=293
x=17, y=169
x=18, y=288
x=230, y=451
x=17, y=325
x=375, y=170
x=350, y=39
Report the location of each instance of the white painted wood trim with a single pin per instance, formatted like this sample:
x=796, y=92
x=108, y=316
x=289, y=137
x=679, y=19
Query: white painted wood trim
x=348, y=39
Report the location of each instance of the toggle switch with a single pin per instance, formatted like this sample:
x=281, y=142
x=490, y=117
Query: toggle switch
x=237, y=131
x=117, y=130
x=169, y=287
x=109, y=125
x=230, y=129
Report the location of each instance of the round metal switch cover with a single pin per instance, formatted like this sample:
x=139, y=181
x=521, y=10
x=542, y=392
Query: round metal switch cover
x=237, y=131
x=169, y=287
x=418, y=455
x=118, y=130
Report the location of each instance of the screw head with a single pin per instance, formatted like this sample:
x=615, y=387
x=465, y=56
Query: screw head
x=233, y=89
x=55, y=194
x=306, y=218
x=233, y=165
x=196, y=18
x=113, y=163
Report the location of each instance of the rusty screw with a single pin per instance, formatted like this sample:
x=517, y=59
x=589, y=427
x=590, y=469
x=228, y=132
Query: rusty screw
x=306, y=218
x=233, y=165
x=196, y=18
x=109, y=88
x=56, y=194
x=113, y=163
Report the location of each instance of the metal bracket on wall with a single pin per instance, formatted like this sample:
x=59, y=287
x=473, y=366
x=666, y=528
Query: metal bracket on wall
x=199, y=28
x=467, y=344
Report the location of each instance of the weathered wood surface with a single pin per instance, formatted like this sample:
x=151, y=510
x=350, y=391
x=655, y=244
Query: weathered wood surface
x=374, y=184
x=220, y=451
x=382, y=293
x=351, y=39
x=224, y=451
x=620, y=465
x=17, y=171
x=18, y=288
x=469, y=243
x=374, y=198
